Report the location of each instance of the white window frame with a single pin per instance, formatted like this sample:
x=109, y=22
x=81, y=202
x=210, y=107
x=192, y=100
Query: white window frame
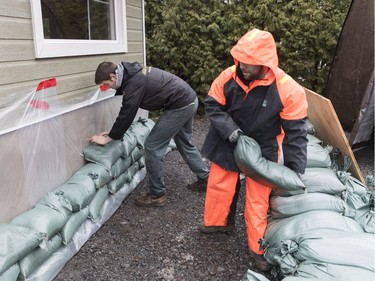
x=50, y=48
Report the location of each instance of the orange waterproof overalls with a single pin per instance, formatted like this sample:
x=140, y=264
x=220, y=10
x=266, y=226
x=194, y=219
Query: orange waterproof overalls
x=272, y=110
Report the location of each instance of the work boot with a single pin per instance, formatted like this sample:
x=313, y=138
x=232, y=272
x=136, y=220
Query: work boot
x=260, y=262
x=199, y=185
x=214, y=229
x=147, y=199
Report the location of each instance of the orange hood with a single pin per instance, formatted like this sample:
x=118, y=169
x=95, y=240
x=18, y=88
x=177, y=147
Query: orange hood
x=256, y=47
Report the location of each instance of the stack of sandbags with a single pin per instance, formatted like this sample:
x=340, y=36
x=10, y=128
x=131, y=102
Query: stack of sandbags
x=324, y=231
x=34, y=236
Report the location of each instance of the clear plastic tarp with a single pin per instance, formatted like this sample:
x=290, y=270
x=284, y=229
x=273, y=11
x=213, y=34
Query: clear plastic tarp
x=42, y=136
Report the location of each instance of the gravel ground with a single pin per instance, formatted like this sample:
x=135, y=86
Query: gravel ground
x=163, y=243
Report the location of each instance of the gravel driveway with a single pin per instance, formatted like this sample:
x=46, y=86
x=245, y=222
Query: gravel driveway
x=163, y=243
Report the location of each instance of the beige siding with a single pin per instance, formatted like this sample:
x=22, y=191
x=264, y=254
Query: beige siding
x=19, y=70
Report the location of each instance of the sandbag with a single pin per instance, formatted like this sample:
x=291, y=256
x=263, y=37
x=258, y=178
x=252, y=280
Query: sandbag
x=309, y=269
x=43, y=219
x=253, y=276
x=310, y=127
x=120, y=166
x=141, y=162
x=339, y=247
x=96, y=172
x=97, y=203
x=11, y=274
x=248, y=157
x=72, y=225
x=29, y=263
x=322, y=180
x=117, y=183
x=105, y=155
x=141, y=129
x=56, y=202
x=283, y=229
x=318, y=156
x=133, y=169
x=283, y=207
x=360, y=201
x=78, y=190
x=311, y=139
x=129, y=142
x=298, y=278
x=15, y=243
x=136, y=154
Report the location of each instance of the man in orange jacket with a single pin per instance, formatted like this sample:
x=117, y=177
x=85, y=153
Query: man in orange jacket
x=256, y=98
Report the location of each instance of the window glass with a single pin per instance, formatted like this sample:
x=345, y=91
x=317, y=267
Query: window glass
x=78, y=27
x=71, y=19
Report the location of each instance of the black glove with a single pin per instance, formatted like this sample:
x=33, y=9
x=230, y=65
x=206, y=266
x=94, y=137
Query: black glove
x=233, y=138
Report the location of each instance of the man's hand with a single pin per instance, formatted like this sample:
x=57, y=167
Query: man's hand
x=101, y=139
x=235, y=136
x=105, y=133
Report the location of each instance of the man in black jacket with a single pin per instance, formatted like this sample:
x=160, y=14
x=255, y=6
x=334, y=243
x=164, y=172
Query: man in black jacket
x=151, y=88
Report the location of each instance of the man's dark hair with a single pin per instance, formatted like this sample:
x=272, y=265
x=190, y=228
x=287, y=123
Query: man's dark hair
x=103, y=71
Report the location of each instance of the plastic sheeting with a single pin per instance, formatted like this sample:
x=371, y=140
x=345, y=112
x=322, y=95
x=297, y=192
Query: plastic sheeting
x=42, y=136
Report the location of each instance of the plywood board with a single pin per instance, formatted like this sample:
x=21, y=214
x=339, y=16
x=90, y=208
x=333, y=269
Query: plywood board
x=328, y=128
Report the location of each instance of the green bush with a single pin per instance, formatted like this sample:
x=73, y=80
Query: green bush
x=192, y=38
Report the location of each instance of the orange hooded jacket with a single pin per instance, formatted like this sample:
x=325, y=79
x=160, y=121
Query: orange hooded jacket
x=272, y=110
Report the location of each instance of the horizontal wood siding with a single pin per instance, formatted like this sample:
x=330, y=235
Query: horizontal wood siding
x=20, y=70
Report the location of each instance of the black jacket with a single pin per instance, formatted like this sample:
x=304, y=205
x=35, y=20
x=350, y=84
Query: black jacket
x=148, y=88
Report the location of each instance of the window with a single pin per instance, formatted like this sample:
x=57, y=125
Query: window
x=78, y=27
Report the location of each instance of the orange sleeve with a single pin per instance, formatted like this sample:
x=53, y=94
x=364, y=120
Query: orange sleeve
x=217, y=87
x=293, y=97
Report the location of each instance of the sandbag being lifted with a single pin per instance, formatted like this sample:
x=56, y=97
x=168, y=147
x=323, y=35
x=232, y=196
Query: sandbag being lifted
x=249, y=159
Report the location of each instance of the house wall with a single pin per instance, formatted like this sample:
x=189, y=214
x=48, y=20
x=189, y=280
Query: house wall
x=37, y=158
x=19, y=69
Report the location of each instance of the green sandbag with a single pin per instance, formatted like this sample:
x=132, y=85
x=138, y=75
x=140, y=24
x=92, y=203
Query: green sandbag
x=133, y=169
x=97, y=172
x=283, y=229
x=105, y=155
x=311, y=139
x=310, y=127
x=253, y=276
x=120, y=166
x=250, y=161
x=140, y=129
x=339, y=247
x=78, y=190
x=11, y=274
x=129, y=142
x=136, y=154
x=283, y=207
x=117, y=183
x=297, y=278
x=56, y=202
x=318, y=156
x=309, y=269
x=72, y=225
x=360, y=201
x=322, y=180
x=16, y=242
x=97, y=203
x=43, y=219
x=30, y=262
x=141, y=162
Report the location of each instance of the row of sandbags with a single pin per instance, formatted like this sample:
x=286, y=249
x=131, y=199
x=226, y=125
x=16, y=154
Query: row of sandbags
x=32, y=237
x=321, y=226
